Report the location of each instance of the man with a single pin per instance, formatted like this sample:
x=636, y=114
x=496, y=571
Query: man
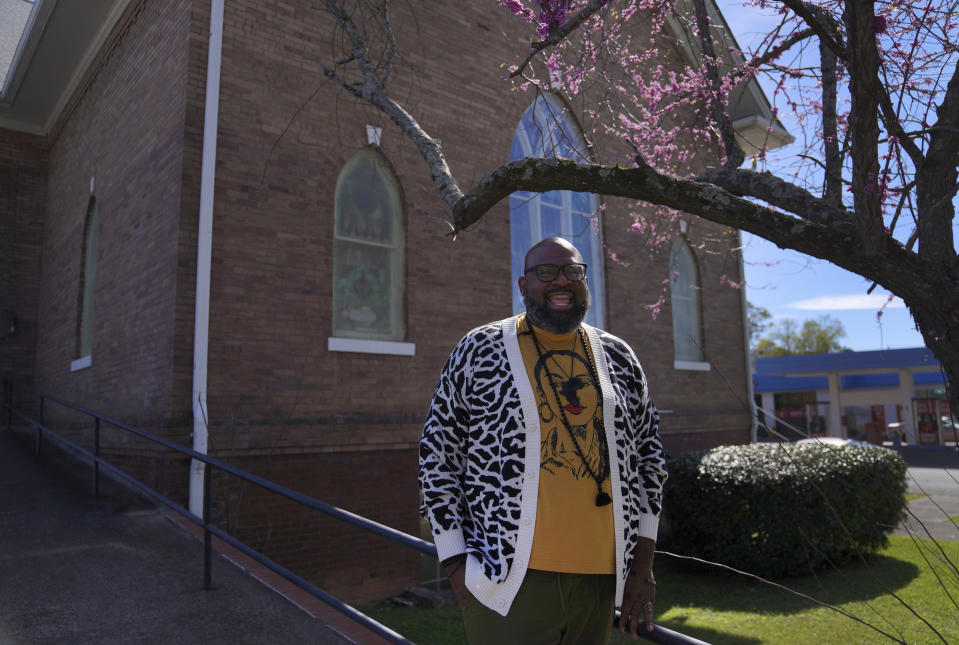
x=541, y=469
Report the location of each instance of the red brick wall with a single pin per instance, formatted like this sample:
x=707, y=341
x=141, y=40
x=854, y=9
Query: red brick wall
x=348, y=562
x=124, y=129
x=699, y=409
x=281, y=149
x=23, y=183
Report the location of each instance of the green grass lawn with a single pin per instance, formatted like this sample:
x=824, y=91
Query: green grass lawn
x=732, y=610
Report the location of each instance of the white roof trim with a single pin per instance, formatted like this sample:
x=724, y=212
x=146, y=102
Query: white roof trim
x=81, y=69
x=41, y=46
x=759, y=132
x=29, y=38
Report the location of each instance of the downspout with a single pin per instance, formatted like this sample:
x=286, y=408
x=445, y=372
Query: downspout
x=204, y=250
x=753, y=420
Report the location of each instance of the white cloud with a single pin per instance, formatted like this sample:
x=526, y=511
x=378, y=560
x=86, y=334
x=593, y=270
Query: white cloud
x=848, y=302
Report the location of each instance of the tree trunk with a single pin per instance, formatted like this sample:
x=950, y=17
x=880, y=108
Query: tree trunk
x=937, y=319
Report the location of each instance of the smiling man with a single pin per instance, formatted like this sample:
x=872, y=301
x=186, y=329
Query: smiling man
x=542, y=470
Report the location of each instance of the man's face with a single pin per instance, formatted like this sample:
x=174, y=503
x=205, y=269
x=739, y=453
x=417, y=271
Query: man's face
x=558, y=306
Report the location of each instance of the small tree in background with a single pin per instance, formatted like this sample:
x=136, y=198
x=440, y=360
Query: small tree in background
x=788, y=338
x=759, y=320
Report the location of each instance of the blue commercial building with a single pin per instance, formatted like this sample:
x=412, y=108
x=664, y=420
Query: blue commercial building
x=869, y=395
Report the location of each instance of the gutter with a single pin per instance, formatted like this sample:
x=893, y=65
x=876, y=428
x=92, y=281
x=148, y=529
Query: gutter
x=204, y=252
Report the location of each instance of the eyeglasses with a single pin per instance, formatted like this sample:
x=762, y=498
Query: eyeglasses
x=548, y=272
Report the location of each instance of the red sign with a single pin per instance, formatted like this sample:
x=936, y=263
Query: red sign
x=878, y=424
x=927, y=423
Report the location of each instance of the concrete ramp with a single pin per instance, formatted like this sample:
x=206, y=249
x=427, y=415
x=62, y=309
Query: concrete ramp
x=83, y=570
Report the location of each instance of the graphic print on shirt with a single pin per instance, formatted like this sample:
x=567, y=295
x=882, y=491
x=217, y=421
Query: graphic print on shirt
x=564, y=373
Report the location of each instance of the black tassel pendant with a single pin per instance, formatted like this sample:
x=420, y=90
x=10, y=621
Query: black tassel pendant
x=602, y=499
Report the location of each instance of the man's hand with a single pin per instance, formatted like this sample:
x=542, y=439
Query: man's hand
x=456, y=572
x=639, y=593
x=639, y=600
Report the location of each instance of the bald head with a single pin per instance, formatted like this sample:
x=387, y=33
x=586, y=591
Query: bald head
x=545, y=245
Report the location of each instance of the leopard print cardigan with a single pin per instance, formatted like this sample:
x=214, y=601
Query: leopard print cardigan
x=479, y=458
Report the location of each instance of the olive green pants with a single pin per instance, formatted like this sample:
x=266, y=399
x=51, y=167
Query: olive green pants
x=550, y=609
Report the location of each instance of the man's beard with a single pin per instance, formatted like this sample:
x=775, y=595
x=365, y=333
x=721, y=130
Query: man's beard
x=557, y=322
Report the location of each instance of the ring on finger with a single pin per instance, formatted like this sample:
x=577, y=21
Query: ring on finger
x=648, y=605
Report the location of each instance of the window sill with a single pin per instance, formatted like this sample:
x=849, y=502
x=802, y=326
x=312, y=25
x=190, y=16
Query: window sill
x=363, y=346
x=81, y=363
x=692, y=366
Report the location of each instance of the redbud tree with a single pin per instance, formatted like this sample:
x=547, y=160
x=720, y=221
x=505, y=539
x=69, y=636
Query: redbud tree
x=872, y=88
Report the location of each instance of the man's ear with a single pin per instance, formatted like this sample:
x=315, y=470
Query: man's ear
x=521, y=282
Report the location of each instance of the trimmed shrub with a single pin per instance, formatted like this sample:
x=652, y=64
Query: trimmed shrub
x=783, y=509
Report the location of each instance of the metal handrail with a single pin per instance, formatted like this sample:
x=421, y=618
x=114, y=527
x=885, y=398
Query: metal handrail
x=659, y=635
x=210, y=530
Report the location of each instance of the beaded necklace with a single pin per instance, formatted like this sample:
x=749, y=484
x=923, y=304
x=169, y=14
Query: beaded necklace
x=602, y=498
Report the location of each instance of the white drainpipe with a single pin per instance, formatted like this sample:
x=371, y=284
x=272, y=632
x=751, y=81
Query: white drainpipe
x=753, y=421
x=201, y=323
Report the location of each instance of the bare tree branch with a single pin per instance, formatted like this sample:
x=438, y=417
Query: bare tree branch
x=372, y=90
x=890, y=119
x=755, y=62
x=835, y=243
x=830, y=126
x=863, y=61
x=936, y=179
x=813, y=16
x=781, y=194
x=734, y=153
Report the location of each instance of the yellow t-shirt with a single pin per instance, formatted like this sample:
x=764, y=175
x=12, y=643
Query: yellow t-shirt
x=572, y=535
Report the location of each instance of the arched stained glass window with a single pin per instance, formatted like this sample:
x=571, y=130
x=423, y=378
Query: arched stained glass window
x=687, y=311
x=546, y=130
x=368, y=254
x=88, y=280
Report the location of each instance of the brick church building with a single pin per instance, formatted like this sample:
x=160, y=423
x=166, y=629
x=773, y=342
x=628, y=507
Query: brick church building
x=260, y=266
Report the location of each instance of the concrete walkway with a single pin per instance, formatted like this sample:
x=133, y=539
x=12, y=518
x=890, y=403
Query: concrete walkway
x=114, y=569
x=933, y=473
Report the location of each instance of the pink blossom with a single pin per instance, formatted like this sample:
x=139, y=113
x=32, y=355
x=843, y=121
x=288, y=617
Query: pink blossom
x=656, y=104
x=517, y=8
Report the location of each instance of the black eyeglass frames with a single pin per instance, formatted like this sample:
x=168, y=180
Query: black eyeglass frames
x=548, y=272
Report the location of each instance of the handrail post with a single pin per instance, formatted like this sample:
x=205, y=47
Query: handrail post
x=207, y=536
x=36, y=450
x=96, y=456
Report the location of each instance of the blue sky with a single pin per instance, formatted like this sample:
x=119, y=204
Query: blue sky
x=791, y=285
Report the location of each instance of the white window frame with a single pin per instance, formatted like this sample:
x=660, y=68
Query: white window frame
x=360, y=346
x=690, y=303
x=548, y=110
x=345, y=340
x=89, y=254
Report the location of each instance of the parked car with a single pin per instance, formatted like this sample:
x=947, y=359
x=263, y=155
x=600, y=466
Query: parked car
x=838, y=441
